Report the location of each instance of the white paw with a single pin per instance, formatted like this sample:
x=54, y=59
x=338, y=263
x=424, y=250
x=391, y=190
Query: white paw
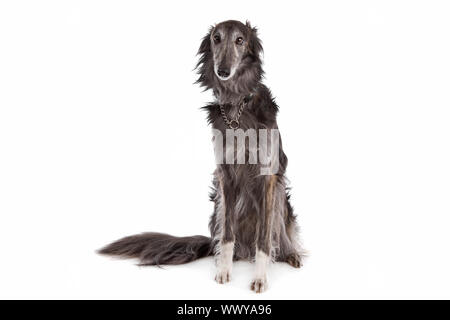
x=223, y=276
x=259, y=285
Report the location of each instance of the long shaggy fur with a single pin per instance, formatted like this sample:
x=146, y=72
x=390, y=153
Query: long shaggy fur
x=240, y=194
x=153, y=248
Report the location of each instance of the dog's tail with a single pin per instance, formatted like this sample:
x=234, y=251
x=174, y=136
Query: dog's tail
x=160, y=249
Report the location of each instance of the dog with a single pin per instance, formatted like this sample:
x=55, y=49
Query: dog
x=253, y=218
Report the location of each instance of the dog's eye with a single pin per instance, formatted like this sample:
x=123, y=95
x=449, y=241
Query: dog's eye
x=239, y=41
x=216, y=38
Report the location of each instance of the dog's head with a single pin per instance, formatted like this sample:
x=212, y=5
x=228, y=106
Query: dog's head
x=229, y=51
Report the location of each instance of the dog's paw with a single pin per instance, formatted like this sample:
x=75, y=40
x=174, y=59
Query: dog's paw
x=223, y=276
x=295, y=260
x=259, y=285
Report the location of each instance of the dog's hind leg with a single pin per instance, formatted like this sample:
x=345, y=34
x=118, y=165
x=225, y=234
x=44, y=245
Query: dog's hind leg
x=293, y=252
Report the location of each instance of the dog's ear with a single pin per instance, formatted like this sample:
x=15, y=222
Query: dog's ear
x=254, y=44
x=205, y=46
x=204, y=60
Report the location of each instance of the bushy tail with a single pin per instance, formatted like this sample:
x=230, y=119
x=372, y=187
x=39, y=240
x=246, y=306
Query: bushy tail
x=158, y=249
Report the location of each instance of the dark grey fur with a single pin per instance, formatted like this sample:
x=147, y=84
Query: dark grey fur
x=153, y=248
x=256, y=209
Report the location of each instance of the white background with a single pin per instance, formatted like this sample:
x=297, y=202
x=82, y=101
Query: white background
x=101, y=136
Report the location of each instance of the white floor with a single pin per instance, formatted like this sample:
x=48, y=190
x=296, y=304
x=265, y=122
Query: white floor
x=342, y=267
x=101, y=136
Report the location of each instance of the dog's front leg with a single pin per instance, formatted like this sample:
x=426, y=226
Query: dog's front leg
x=264, y=236
x=225, y=247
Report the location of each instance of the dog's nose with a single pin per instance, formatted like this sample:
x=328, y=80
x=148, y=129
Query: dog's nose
x=223, y=73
